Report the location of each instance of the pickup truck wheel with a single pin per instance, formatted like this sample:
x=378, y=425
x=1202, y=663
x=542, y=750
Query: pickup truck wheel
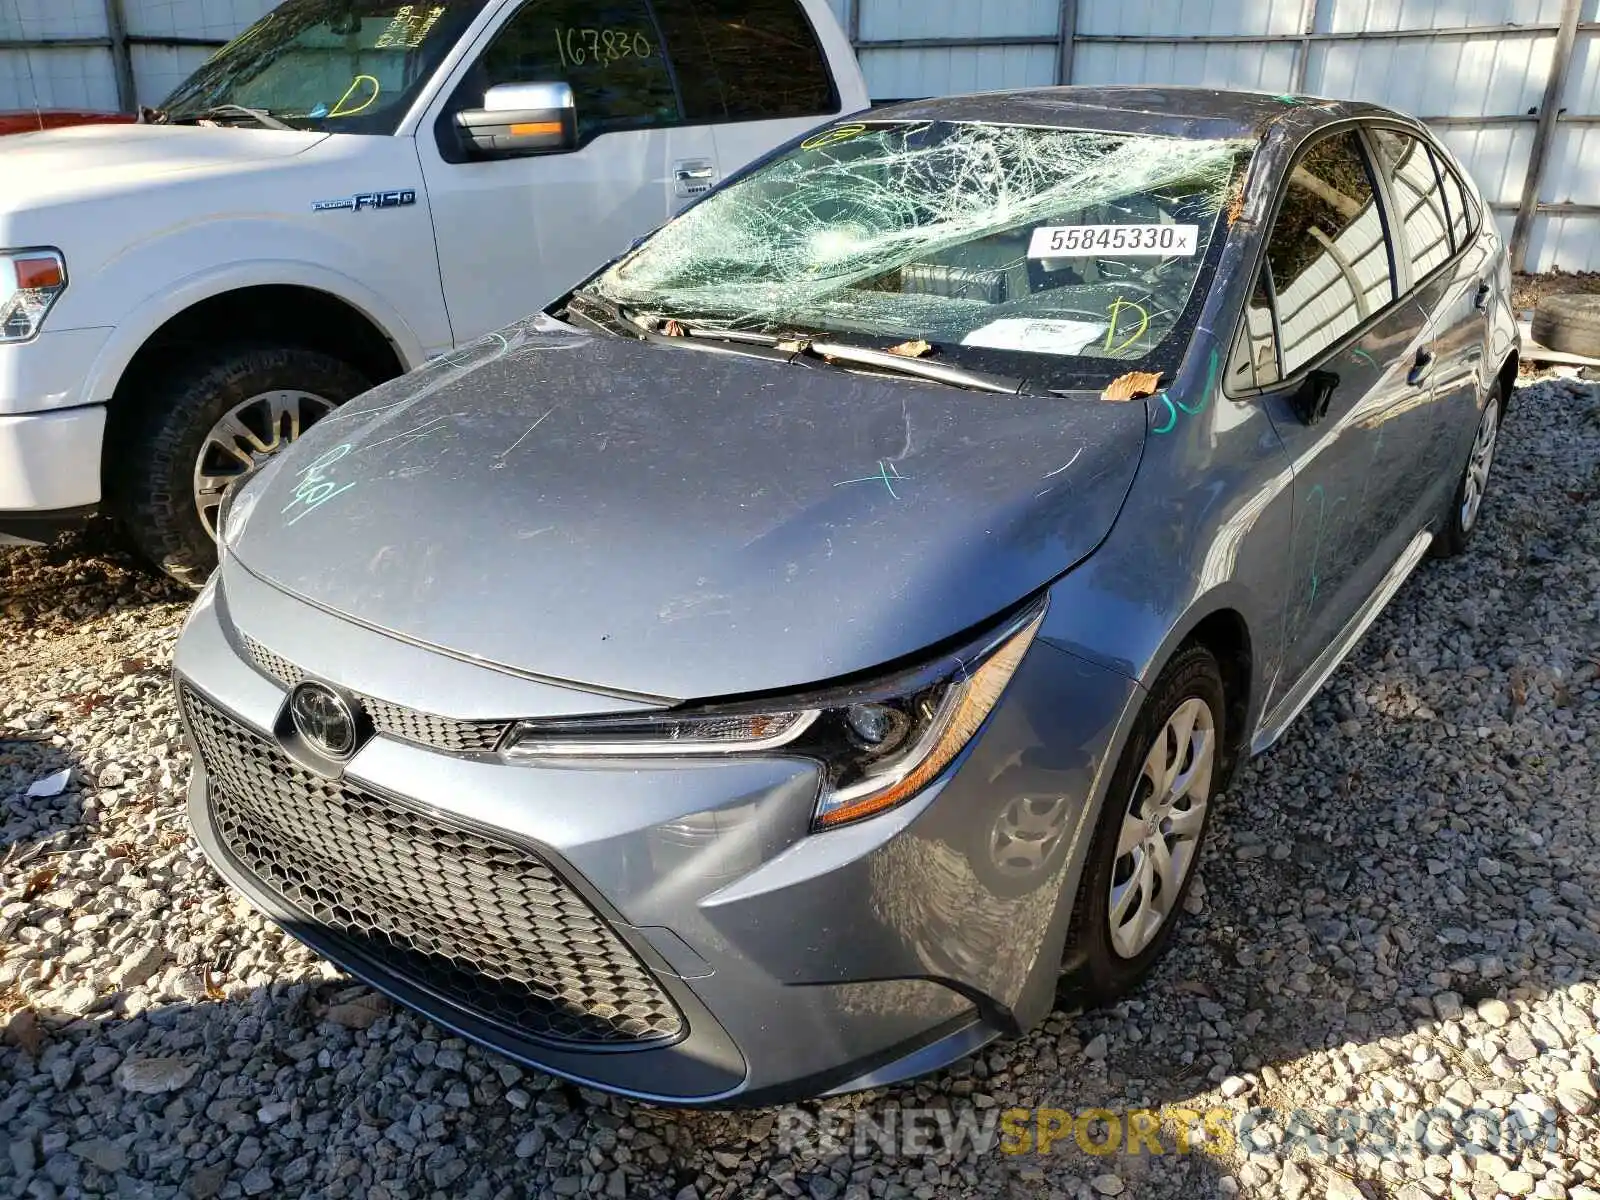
x=203, y=427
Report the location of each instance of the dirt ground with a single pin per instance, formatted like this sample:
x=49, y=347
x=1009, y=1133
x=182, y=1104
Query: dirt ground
x=1527, y=290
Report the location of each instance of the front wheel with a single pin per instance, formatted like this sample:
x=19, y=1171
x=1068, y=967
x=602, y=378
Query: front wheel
x=202, y=427
x=1151, y=829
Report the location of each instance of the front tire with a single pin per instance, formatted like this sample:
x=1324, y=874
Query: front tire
x=1151, y=829
x=201, y=427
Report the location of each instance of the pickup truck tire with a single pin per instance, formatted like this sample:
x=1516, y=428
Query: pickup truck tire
x=151, y=474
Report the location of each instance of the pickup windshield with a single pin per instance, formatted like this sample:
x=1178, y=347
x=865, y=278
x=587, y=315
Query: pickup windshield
x=1057, y=254
x=345, y=66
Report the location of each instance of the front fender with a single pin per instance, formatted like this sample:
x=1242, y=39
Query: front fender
x=156, y=307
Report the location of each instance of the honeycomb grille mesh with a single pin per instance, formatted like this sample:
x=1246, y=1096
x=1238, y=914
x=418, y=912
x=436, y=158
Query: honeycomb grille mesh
x=394, y=720
x=484, y=924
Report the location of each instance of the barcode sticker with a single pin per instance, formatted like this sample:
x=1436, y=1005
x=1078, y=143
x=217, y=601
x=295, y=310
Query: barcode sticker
x=1115, y=241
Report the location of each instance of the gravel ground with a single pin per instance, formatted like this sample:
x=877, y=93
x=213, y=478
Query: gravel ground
x=1400, y=911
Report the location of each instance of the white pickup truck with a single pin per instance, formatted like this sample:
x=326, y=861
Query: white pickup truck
x=348, y=189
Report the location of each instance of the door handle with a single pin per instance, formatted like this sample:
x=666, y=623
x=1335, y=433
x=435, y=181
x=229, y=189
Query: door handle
x=693, y=177
x=1480, y=298
x=1421, y=368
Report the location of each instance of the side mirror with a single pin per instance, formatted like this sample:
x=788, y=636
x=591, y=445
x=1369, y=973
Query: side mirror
x=1311, y=398
x=521, y=118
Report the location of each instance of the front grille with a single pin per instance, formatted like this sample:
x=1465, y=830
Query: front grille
x=479, y=922
x=394, y=720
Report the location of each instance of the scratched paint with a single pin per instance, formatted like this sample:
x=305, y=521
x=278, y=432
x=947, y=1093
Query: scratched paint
x=500, y=462
x=888, y=475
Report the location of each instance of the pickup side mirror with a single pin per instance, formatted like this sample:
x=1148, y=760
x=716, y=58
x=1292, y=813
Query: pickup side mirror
x=1310, y=399
x=520, y=118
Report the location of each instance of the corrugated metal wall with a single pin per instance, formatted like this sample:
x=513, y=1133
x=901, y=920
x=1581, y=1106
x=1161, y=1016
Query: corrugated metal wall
x=1479, y=67
x=63, y=53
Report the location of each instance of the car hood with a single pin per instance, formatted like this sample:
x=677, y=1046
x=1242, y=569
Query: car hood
x=88, y=162
x=676, y=523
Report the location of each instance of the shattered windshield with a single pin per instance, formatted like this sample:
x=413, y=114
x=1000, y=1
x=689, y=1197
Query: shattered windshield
x=345, y=66
x=968, y=236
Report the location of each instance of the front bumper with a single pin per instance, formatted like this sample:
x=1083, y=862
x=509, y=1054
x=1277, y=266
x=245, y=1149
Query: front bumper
x=49, y=466
x=799, y=964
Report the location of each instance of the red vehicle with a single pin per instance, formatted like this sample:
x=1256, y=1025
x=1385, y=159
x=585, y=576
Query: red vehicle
x=33, y=120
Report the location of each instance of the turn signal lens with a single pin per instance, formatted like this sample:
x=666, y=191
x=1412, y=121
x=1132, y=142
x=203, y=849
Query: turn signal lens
x=30, y=283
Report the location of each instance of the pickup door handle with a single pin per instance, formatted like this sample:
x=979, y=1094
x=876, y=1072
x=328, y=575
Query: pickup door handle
x=1480, y=298
x=693, y=177
x=1421, y=368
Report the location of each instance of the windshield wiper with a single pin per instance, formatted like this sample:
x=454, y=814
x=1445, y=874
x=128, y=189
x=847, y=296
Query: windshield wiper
x=898, y=363
x=919, y=367
x=259, y=115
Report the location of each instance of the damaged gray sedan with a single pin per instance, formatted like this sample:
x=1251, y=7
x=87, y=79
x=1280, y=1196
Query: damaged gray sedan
x=783, y=663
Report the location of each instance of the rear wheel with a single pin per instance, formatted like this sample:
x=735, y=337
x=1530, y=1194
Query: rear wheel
x=1151, y=830
x=203, y=426
x=1460, y=519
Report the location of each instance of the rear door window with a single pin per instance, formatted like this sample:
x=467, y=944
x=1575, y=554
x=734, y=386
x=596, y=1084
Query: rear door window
x=1328, y=251
x=746, y=60
x=609, y=51
x=1463, y=213
x=1422, y=221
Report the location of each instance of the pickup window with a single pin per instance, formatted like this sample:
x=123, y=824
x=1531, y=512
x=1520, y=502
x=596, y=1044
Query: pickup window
x=609, y=51
x=747, y=60
x=346, y=66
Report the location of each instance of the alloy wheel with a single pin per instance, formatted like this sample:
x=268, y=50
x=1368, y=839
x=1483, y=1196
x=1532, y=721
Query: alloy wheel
x=1477, y=481
x=1160, y=835
x=246, y=437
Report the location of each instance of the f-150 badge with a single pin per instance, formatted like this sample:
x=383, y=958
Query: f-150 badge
x=366, y=200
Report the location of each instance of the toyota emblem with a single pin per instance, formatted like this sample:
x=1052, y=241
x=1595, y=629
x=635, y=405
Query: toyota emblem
x=324, y=719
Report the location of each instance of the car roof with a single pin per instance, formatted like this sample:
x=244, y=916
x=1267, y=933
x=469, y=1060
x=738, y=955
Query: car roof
x=1176, y=111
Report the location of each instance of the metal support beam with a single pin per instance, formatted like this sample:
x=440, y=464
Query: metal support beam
x=104, y=43
x=121, y=56
x=1310, y=10
x=1067, y=31
x=1544, y=135
x=1367, y=35
x=86, y=43
x=853, y=20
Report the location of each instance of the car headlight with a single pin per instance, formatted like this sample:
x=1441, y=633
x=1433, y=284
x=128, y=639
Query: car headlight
x=31, y=281
x=879, y=743
x=238, y=502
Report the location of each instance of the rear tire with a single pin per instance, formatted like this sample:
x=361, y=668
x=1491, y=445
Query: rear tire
x=278, y=392
x=1464, y=513
x=1127, y=907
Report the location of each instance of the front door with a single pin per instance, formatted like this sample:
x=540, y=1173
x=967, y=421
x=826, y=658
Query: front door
x=513, y=234
x=1329, y=280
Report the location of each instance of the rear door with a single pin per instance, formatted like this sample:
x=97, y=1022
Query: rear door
x=512, y=234
x=1327, y=326
x=754, y=68
x=1450, y=277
